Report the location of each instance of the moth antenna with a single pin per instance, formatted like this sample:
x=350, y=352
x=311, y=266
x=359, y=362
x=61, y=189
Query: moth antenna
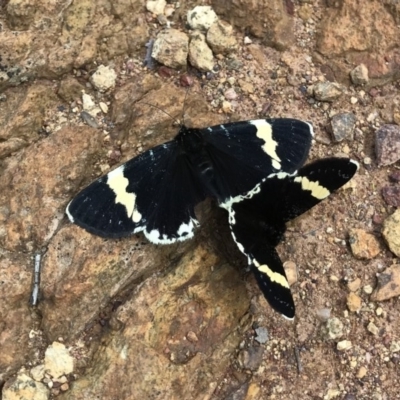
x=160, y=109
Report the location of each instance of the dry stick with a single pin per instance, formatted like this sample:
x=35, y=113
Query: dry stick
x=36, y=280
x=298, y=361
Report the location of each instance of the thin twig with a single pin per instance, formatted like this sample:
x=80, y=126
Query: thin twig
x=36, y=280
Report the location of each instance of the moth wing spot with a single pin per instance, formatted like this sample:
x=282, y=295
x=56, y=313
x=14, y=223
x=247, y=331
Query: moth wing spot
x=264, y=132
x=273, y=276
x=118, y=183
x=317, y=191
x=69, y=215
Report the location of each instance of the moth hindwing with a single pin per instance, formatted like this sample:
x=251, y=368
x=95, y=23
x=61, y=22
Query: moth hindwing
x=156, y=192
x=258, y=220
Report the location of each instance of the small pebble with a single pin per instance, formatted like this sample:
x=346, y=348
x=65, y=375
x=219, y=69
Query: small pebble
x=387, y=144
x=353, y=100
x=342, y=126
x=354, y=285
x=247, y=40
x=103, y=107
x=388, y=284
x=327, y=91
x=359, y=75
x=344, y=345
x=323, y=314
x=192, y=337
x=373, y=329
x=353, y=302
x=262, y=335
x=364, y=245
x=361, y=372
x=334, y=328
x=104, y=78
x=368, y=289
x=230, y=94
x=64, y=387
x=367, y=161
x=290, y=271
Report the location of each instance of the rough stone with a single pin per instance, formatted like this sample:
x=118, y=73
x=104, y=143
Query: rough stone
x=391, y=195
x=391, y=232
x=362, y=372
x=253, y=391
x=246, y=86
x=387, y=144
x=394, y=347
x=251, y=358
x=20, y=14
x=221, y=39
x=262, y=335
x=359, y=75
x=334, y=328
x=32, y=200
x=343, y=126
x=350, y=35
x=156, y=7
x=104, y=78
x=323, y=314
x=70, y=89
x=372, y=328
x=388, y=285
x=268, y=20
x=22, y=115
x=354, y=285
x=77, y=285
x=171, y=48
x=290, y=271
x=208, y=302
x=395, y=176
x=201, y=17
x=353, y=302
x=200, y=55
x=15, y=316
x=22, y=387
x=230, y=94
x=89, y=105
x=344, y=345
x=37, y=372
x=55, y=38
x=58, y=361
x=327, y=91
x=305, y=12
x=363, y=245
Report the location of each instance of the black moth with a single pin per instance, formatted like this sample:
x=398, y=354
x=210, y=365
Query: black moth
x=258, y=220
x=156, y=192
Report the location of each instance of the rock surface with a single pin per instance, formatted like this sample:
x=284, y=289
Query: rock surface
x=387, y=144
x=201, y=17
x=58, y=361
x=391, y=195
x=343, y=126
x=327, y=91
x=25, y=388
x=364, y=245
x=150, y=343
x=221, y=38
x=200, y=55
x=391, y=232
x=359, y=75
x=171, y=48
x=388, y=284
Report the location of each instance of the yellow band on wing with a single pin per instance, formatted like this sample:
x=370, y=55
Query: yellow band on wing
x=273, y=276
